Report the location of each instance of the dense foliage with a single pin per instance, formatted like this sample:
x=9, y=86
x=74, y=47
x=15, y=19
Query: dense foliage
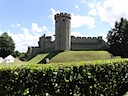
x=118, y=38
x=99, y=78
x=7, y=45
x=16, y=53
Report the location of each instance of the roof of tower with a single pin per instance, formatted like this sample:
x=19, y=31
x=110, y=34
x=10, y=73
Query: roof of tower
x=62, y=15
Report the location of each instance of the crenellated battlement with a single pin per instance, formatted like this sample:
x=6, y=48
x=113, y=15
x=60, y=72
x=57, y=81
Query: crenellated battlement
x=89, y=38
x=62, y=15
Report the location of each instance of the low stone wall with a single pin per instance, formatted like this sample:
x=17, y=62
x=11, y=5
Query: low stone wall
x=33, y=51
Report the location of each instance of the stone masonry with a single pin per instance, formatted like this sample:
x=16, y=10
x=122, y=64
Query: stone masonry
x=62, y=32
x=63, y=39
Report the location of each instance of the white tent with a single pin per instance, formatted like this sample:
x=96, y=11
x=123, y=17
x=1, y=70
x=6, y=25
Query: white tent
x=1, y=60
x=9, y=59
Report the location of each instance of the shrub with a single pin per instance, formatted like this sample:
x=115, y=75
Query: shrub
x=99, y=78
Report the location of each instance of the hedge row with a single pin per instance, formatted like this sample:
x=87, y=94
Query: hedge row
x=108, y=78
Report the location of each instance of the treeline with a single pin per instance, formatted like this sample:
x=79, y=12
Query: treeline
x=7, y=47
x=117, y=38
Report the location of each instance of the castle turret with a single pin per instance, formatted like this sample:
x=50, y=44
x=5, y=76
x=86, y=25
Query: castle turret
x=41, y=43
x=62, y=32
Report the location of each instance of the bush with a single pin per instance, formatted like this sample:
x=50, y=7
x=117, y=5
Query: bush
x=99, y=78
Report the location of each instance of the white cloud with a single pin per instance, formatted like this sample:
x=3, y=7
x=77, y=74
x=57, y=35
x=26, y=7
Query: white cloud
x=77, y=7
x=83, y=1
x=110, y=10
x=13, y=25
x=52, y=15
x=92, y=12
x=36, y=28
x=76, y=34
x=16, y=25
x=25, y=30
x=92, y=4
x=1, y=32
x=79, y=21
x=25, y=39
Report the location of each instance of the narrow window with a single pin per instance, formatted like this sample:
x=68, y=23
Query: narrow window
x=59, y=36
x=59, y=43
x=59, y=28
x=63, y=20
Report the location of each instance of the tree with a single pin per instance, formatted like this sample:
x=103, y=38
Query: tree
x=7, y=45
x=117, y=38
x=16, y=53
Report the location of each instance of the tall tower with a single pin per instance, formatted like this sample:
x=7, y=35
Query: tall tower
x=62, y=32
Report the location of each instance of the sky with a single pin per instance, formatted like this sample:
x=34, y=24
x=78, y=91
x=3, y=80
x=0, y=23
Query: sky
x=27, y=20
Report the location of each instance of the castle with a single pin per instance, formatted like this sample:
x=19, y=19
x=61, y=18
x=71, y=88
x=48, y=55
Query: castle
x=63, y=39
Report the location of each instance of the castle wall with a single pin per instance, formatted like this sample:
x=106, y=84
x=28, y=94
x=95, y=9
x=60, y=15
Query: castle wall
x=85, y=46
x=87, y=43
x=86, y=39
x=44, y=45
x=49, y=46
x=33, y=51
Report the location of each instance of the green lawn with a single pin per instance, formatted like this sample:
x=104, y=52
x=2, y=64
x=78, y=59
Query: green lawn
x=74, y=56
x=71, y=56
x=68, y=56
x=37, y=58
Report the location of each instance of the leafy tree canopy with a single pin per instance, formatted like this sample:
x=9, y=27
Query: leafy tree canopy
x=16, y=53
x=7, y=45
x=117, y=38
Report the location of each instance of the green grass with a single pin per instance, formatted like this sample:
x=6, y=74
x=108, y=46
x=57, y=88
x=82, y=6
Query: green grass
x=75, y=56
x=71, y=56
x=68, y=56
x=37, y=58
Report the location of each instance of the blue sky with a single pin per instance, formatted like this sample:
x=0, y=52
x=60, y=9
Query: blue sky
x=27, y=20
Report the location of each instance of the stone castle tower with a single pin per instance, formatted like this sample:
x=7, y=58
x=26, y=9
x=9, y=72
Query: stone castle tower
x=62, y=32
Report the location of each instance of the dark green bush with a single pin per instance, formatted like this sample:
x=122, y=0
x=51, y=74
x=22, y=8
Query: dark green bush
x=102, y=78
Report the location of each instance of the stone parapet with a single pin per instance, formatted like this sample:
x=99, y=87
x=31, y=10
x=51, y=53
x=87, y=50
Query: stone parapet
x=62, y=15
x=91, y=38
x=86, y=39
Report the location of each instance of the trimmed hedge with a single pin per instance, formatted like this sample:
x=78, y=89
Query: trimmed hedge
x=99, y=78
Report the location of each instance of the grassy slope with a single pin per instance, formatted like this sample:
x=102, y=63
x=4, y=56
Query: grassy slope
x=37, y=58
x=72, y=56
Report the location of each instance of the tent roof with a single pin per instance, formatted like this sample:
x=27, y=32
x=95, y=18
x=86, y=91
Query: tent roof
x=1, y=58
x=9, y=57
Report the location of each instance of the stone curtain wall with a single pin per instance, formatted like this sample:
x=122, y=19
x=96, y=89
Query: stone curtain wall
x=86, y=39
x=87, y=43
x=33, y=51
